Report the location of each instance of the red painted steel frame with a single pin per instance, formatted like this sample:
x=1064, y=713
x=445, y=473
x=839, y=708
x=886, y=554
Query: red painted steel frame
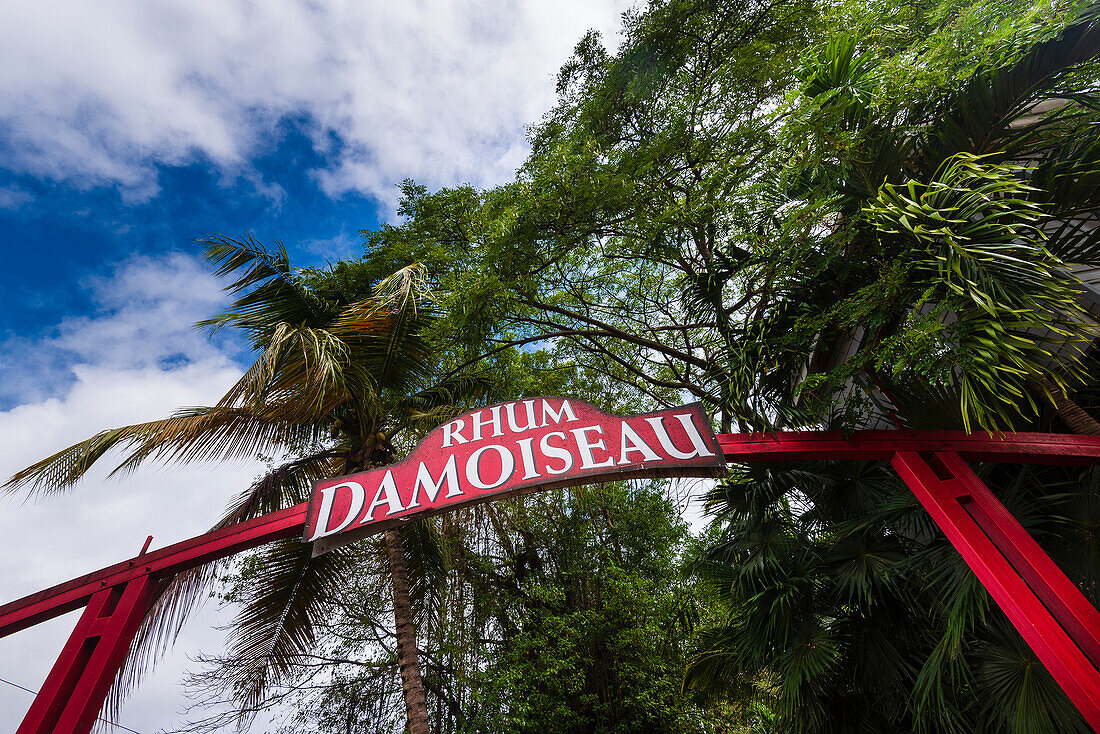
x=75, y=688
x=1048, y=610
x=974, y=521
x=117, y=599
x=1015, y=448
x=57, y=600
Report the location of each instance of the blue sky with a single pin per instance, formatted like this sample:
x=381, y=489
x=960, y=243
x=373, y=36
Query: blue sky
x=127, y=130
x=57, y=236
x=55, y=233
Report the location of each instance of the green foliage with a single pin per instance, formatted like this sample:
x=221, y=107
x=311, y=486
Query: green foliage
x=851, y=613
x=810, y=215
x=985, y=262
x=803, y=215
x=593, y=641
x=831, y=215
x=611, y=241
x=567, y=611
x=945, y=238
x=744, y=198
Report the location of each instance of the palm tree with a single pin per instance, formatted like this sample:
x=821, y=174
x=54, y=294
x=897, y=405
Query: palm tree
x=845, y=610
x=938, y=276
x=346, y=376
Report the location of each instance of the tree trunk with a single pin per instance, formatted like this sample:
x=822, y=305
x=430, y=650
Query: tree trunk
x=412, y=686
x=1072, y=414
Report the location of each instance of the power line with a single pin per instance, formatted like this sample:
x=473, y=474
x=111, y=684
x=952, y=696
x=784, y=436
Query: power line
x=99, y=718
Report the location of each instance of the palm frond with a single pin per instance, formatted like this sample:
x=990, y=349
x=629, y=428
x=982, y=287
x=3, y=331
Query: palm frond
x=181, y=596
x=717, y=672
x=946, y=669
x=1018, y=693
x=979, y=118
x=288, y=594
x=387, y=344
x=426, y=565
x=405, y=288
x=442, y=400
x=64, y=468
x=329, y=376
x=272, y=292
x=176, y=601
x=192, y=434
x=405, y=293
x=302, y=372
x=283, y=486
x=978, y=245
x=224, y=434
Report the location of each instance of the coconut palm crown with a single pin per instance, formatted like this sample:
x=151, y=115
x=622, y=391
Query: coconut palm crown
x=342, y=381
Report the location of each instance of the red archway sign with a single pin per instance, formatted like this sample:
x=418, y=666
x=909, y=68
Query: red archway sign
x=523, y=446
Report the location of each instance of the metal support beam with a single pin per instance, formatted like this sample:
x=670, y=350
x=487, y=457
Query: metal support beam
x=117, y=599
x=74, y=691
x=1049, y=611
x=1040, y=448
x=1002, y=555
x=1016, y=448
x=168, y=561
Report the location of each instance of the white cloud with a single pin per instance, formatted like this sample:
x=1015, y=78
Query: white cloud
x=99, y=94
x=96, y=93
x=13, y=197
x=134, y=360
x=141, y=321
x=343, y=246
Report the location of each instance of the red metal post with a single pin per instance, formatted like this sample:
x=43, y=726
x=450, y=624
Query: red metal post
x=74, y=691
x=1064, y=600
x=117, y=598
x=961, y=504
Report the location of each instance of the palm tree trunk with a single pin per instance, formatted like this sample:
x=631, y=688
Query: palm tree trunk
x=1071, y=414
x=412, y=686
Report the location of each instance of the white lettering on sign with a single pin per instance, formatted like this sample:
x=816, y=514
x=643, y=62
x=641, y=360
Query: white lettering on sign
x=586, y=446
x=431, y=487
x=556, y=452
x=531, y=445
x=474, y=467
x=527, y=453
x=494, y=421
x=692, y=433
x=635, y=444
x=388, y=495
x=453, y=432
x=328, y=497
x=549, y=412
x=530, y=424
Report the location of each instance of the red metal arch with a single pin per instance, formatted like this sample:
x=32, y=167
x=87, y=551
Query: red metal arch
x=1049, y=611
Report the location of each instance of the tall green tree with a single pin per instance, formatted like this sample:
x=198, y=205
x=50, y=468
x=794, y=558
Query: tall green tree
x=614, y=241
x=926, y=232
x=930, y=204
x=344, y=378
x=835, y=215
x=592, y=606
x=846, y=610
